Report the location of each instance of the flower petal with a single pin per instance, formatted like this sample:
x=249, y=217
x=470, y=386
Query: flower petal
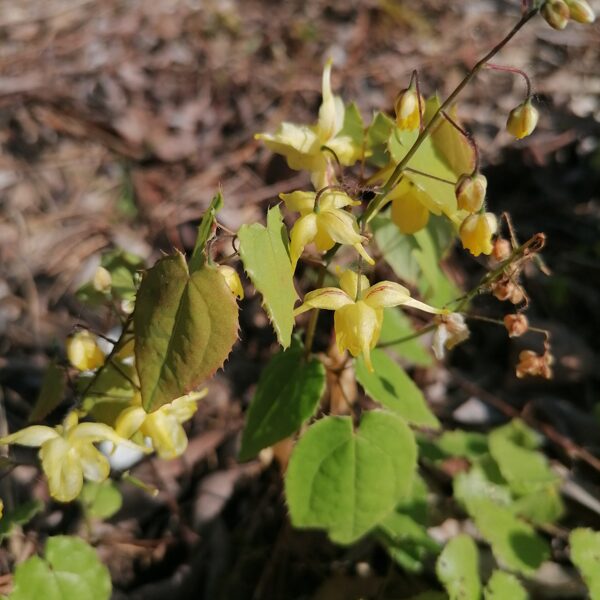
x=61, y=464
x=94, y=464
x=329, y=298
x=349, y=283
x=303, y=233
x=409, y=213
x=331, y=112
x=32, y=436
x=336, y=199
x=302, y=202
x=96, y=432
x=130, y=421
x=168, y=436
x=340, y=225
x=184, y=407
x=388, y=293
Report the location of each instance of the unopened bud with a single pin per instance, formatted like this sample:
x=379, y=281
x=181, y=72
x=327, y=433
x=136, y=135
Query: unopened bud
x=516, y=296
x=102, y=281
x=502, y=249
x=470, y=192
x=232, y=279
x=556, y=13
x=581, y=11
x=83, y=351
x=534, y=365
x=410, y=108
x=522, y=119
x=516, y=325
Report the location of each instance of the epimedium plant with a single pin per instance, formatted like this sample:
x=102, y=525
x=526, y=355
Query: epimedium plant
x=398, y=190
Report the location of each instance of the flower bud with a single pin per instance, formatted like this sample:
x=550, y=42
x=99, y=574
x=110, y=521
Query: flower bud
x=534, y=365
x=476, y=233
x=102, y=281
x=470, y=192
x=410, y=108
x=232, y=280
x=83, y=351
x=581, y=11
x=516, y=325
x=556, y=13
x=522, y=119
x=502, y=249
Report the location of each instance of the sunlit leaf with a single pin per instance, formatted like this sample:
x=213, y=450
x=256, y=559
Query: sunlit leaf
x=347, y=481
x=585, y=554
x=70, y=571
x=504, y=586
x=264, y=252
x=389, y=385
x=378, y=135
x=287, y=394
x=101, y=500
x=185, y=326
x=467, y=444
x=51, y=393
x=458, y=569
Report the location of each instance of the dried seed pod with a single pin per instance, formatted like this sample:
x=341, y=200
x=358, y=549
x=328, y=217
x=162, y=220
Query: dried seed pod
x=516, y=295
x=502, y=249
x=516, y=325
x=534, y=365
x=503, y=289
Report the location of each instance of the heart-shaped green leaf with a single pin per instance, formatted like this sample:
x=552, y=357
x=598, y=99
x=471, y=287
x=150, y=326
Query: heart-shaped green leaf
x=502, y=586
x=458, y=569
x=264, y=252
x=347, y=481
x=585, y=554
x=185, y=326
x=288, y=392
x=389, y=385
x=71, y=571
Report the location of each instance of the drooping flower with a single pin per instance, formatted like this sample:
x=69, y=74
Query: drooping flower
x=232, y=279
x=83, y=351
x=410, y=108
x=324, y=222
x=302, y=145
x=522, y=120
x=476, y=233
x=358, y=310
x=451, y=330
x=68, y=453
x=162, y=426
x=556, y=13
x=470, y=192
x=581, y=11
x=410, y=206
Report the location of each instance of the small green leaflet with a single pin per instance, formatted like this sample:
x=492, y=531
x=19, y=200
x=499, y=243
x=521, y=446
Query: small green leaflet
x=264, y=252
x=347, y=481
x=585, y=554
x=458, y=568
x=51, y=393
x=205, y=232
x=287, y=394
x=393, y=388
x=515, y=544
x=185, y=326
x=100, y=500
x=70, y=571
x=504, y=586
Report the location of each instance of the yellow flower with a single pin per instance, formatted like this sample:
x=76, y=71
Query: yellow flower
x=522, y=120
x=83, y=351
x=68, y=453
x=325, y=223
x=410, y=206
x=102, y=280
x=302, y=145
x=581, y=11
x=410, y=108
x=232, y=279
x=470, y=192
x=476, y=233
x=556, y=13
x=359, y=310
x=162, y=426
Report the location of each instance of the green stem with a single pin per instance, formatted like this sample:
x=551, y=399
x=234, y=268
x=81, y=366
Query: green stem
x=391, y=182
x=407, y=338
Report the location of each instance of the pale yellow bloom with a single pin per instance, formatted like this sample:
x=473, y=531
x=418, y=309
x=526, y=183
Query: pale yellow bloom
x=410, y=206
x=302, y=145
x=581, y=11
x=470, y=192
x=476, y=233
x=410, y=108
x=162, y=426
x=68, y=453
x=359, y=310
x=325, y=223
x=102, y=280
x=556, y=13
x=522, y=120
x=83, y=351
x=232, y=279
